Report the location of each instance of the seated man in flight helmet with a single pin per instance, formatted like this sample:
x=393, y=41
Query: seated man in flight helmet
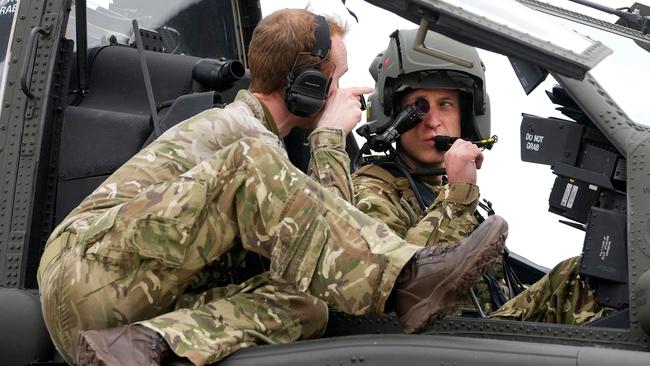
x=449, y=90
x=114, y=274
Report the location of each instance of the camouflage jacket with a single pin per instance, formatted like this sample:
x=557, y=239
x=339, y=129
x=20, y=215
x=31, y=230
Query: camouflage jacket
x=196, y=139
x=391, y=200
x=450, y=217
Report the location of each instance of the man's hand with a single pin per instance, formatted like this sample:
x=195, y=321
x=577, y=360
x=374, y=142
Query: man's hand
x=343, y=108
x=462, y=160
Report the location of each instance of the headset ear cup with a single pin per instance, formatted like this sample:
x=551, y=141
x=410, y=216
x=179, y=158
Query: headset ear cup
x=306, y=92
x=307, y=87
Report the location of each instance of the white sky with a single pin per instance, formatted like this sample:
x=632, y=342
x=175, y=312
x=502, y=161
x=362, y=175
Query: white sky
x=519, y=191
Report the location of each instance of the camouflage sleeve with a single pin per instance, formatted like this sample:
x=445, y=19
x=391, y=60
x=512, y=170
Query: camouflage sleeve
x=377, y=199
x=450, y=217
x=329, y=163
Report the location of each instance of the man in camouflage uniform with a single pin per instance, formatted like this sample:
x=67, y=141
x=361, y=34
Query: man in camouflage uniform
x=454, y=101
x=383, y=192
x=561, y=297
x=114, y=274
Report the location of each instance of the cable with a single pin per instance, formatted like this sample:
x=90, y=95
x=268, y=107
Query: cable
x=476, y=303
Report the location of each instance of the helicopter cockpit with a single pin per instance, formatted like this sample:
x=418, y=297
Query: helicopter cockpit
x=119, y=83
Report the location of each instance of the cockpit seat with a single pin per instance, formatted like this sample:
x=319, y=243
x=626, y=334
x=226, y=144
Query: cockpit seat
x=24, y=338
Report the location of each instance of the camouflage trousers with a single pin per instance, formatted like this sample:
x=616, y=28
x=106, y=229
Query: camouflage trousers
x=558, y=297
x=131, y=263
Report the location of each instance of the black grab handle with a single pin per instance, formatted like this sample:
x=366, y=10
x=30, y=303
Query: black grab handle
x=27, y=61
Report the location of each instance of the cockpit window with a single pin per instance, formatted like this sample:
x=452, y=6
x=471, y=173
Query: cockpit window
x=7, y=10
x=202, y=28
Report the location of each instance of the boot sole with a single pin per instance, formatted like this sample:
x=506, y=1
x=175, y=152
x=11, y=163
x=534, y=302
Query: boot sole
x=86, y=353
x=126, y=347
x=432, y=307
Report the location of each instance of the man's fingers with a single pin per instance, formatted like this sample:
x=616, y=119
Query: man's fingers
x=479, y=160
x=360, y=90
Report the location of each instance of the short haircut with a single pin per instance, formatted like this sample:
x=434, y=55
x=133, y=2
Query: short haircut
x=277, y=40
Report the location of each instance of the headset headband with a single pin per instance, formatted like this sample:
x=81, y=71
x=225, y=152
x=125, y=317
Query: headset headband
x=322, y=35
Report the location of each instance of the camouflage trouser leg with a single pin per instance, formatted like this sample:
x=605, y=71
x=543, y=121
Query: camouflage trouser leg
x=132, y=262
x=209, y=326
x=558, y=297
x=315, y=240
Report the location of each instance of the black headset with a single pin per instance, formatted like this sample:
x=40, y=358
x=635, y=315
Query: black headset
x=307, y=86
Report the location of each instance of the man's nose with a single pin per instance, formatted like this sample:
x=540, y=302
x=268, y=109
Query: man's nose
x=432, y=120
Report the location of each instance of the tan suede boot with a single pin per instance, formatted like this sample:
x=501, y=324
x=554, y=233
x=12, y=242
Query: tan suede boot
x=126, y=345
x=430, y=285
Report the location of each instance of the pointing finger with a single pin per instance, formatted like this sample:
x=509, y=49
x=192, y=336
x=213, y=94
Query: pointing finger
x=357, y=91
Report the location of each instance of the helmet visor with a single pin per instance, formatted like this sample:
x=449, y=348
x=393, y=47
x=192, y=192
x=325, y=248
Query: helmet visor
x=445, y=79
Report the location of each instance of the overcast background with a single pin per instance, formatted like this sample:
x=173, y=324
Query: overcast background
x=519, y=191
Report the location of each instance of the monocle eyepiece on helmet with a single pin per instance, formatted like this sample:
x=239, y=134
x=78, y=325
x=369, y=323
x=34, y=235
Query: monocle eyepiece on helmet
x=381, y=137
